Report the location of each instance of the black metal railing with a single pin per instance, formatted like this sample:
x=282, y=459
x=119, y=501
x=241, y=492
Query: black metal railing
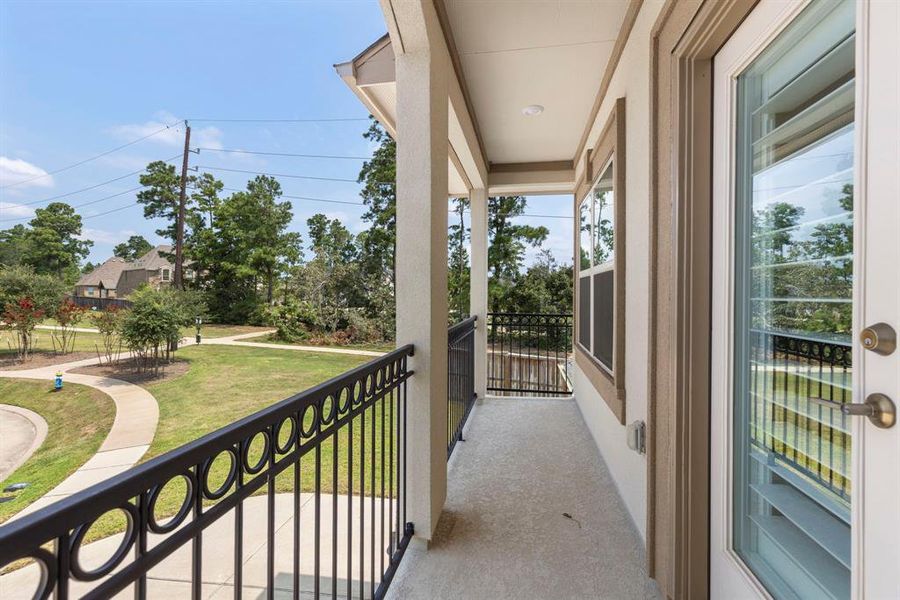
x=528, y=353
x=460, y=380
x=797, y=385
x=338, y=451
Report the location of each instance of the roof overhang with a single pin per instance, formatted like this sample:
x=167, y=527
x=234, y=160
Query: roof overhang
x=556, y=53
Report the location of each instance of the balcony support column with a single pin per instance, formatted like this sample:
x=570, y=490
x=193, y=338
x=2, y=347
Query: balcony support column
x=421, y=259
x=478, y=282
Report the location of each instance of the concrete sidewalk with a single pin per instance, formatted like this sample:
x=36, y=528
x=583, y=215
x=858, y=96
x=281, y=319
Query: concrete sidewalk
x=137, y=414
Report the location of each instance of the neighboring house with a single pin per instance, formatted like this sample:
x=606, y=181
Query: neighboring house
x=103, y=281
x=116, y=278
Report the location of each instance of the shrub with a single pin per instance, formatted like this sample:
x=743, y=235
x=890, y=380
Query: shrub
x=68, y=315
x=22, y=317
x=109, y=323
x=44, y=291
x=151, y=328
x=294, y=320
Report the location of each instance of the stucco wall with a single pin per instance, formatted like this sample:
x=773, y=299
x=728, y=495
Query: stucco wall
x=631, y=80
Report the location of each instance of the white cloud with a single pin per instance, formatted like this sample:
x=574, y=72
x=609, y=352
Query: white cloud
x=207, y=137
x=103, y=236
x=11, y=210
x=16, y=170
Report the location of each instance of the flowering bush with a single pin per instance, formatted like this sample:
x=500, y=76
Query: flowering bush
x=22, y=317
x=109, y=322
x=68, y=315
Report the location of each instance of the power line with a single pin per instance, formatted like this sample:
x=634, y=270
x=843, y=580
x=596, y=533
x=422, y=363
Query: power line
x=289, y=175
x=325, y=120
x=110, y=211
x=310, y=198
x=84, y=203
x=456, y=212
x=286, y=154
x=87, y=160
x=92, y=187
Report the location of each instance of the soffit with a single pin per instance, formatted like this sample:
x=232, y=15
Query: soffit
x=548, y=52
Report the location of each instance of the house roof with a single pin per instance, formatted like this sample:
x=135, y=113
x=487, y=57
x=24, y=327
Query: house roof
x=106, y=274
x=153, y=260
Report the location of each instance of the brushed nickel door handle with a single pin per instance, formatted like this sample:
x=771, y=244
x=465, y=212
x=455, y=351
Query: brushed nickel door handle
x=878, y=408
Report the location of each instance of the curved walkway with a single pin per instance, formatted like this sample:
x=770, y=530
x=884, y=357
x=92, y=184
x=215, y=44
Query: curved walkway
x=22, y=431
x=137, y=414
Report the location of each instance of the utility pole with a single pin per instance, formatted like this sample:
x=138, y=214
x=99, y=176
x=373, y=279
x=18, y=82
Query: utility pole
x=179, y=227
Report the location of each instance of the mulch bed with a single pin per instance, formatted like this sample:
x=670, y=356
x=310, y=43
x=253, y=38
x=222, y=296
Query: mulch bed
x=126, y=371
x=42, y=358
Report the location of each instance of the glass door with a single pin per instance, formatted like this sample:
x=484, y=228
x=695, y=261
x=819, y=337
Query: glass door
x=782, y=487
x=793, y=308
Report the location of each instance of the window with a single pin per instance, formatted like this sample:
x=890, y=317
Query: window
x=165, y=274
x=600, y=284
x=596, y=331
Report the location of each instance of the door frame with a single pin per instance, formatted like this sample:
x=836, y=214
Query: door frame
x=684, y=40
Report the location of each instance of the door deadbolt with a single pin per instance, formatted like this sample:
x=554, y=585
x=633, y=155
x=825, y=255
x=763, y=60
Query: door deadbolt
x=879, y=338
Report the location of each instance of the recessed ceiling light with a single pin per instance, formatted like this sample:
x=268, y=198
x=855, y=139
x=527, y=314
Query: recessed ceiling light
x=532, y=110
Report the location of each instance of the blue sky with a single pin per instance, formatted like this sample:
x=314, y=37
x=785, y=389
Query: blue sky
x=80, y=78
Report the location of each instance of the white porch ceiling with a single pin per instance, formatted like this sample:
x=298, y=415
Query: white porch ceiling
x=548, y=52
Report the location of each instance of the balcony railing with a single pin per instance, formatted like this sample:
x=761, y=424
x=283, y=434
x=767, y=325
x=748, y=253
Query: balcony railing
x=798, y=383
x=528, y=353
x=461, y=379
x=352, y=432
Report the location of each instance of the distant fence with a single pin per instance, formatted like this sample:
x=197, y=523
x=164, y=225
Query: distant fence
x=100, y=303
x=528, y=354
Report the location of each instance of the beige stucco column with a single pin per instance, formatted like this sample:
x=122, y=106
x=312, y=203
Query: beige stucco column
x=422, y=275
x=478, y=292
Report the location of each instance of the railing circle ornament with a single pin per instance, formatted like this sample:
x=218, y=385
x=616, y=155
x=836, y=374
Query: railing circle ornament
x=263, y=458
x=183, y=511
x=206, y=471
x=291, y=439
x=328, y=409
x=358, y=393
x=46, y=563
x=346, y=400
x=310, y=413
x=113, y=561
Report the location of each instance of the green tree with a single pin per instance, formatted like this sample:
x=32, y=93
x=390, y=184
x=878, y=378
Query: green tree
x=458, y=270
x=544, y=287
x=53, y=242
x=161, y=194
x=329, y=281
x=246, y=246
x=377, y=245
x=12, y=245
x=46, y=291
x=134, y=248
x=508, y=242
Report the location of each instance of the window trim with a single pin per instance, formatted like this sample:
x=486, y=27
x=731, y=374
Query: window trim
x=609, y=148
x=604, y=267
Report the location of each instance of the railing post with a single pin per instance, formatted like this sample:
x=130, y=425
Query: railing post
x=421, y=259
x=478, y=284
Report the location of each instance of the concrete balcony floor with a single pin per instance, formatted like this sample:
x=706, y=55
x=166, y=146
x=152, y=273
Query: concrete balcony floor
x=524, y=463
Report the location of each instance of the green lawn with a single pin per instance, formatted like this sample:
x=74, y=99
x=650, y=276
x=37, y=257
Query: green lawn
x=226, y=383
x=374, y=346
x=212, y=330
x=43, y=341
x=78, y=419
